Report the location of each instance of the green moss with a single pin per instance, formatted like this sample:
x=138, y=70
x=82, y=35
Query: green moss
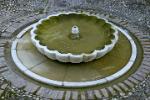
x=55, y=33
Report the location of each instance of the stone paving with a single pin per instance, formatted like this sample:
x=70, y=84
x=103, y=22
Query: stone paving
x=16, y=14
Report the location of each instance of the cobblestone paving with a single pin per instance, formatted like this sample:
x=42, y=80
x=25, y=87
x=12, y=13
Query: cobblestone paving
x=16, y=14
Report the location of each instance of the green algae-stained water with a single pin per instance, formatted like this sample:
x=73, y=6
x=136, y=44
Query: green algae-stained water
x=55, y=33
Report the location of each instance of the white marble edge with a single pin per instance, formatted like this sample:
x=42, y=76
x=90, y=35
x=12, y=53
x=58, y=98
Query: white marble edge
x=76, y=84
x=15, y=57
x=14, y=44
x=68, y=57
x=42, y=79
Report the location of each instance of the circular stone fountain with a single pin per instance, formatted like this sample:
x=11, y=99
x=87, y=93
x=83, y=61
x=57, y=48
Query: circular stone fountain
x=76, y=38
x=52, y=37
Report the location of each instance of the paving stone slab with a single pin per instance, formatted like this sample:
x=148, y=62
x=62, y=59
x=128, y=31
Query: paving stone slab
x=60, y=95
x=2, y=44
x=14, y=79
x=2, y=49
x=123, y=86
x=141, y=73
x=145, y=43
x=30, y=87
x=11, y=29
x=6, y=34
x=133, y=80
x=68, y=95
x=138, y=77
x=146, y=56
x=83, y=96
x=49, y=69
x=75, y=95
x=146, y=62
x=3, y=86
x=117, y=88
x=144, y=70
x=53, y=94
x=4, y=69
x=130, y=84
x=104, y=92
x=2, y=61
x=3, y=41
x=44, y=92
x=112, y=91
x=98, y=94
x=2, y=54
x=90, y=94
x=1, y=66
x=30, y=58
x=147, y=53
x=146, y=67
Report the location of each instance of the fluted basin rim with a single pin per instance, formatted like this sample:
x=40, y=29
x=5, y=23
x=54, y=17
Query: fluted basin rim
x=69, y=57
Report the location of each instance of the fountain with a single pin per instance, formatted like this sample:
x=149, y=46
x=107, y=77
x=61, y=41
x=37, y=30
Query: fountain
x=74, y=49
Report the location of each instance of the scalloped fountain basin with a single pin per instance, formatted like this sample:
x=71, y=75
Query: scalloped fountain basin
x=74, y=37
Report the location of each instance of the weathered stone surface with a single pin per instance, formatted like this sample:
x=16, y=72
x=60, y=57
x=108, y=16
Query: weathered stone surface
x=6, y=34
x=30, y=87
x=123, y=86
x=146, y=53
x=104, y=92
x=44, y=92
x=3, y=86
x=138, y=77
x=11, y=29
x=53, y=94
x=60, y=95
x=97, y=93
x=146, y=62
x=68, y=95
x=112, y=91
x=15, y=79
x=2, y=61
x=82, y=96
x=90, y=95
x=130, y=84
x=144, y=70
x=75, y=95
x=133, y=80
x=3, y=69
x=2, y=49
x=118, y=89
x=2, y=54
x=147, y=67
x=141, y=74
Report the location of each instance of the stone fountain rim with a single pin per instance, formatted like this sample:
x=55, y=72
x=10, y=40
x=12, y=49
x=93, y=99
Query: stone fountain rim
x=69, y=57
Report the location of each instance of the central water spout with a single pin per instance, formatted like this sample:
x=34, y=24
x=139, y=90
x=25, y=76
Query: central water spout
x=75, y=32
